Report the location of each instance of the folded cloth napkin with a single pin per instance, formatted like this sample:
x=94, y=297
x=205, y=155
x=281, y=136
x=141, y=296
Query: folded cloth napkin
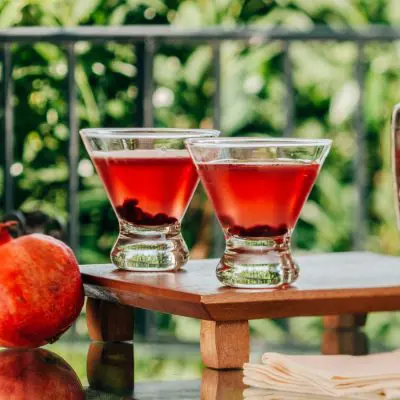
x=363, y=377
x=265, y=394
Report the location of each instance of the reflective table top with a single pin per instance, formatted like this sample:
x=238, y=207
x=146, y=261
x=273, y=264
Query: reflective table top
x=74, y=368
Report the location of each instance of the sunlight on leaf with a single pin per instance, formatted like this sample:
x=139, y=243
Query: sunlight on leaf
x=197, y=65
x=82, y=10
x=118, y=16
x=189, y=15
x=11, y=13
x=91, y=110
x=49, y=51
x=344, y=103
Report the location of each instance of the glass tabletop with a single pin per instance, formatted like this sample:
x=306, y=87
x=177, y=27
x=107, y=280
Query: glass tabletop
x=75, y=368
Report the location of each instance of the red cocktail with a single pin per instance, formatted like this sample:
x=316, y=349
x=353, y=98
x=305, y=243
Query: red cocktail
x=258, y=199
x=148, y=187
x=258, y=188
x=150, y=179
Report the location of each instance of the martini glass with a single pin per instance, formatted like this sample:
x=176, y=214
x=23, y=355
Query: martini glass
x=150, y=179
x=258, y=188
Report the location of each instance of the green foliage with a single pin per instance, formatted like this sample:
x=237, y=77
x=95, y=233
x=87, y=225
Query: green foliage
x=253, y=103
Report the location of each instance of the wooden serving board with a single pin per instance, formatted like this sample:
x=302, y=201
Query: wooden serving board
x=329, y=284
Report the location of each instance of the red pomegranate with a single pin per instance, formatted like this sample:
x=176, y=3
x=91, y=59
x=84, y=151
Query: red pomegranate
x=41, y=290
x=37, y=374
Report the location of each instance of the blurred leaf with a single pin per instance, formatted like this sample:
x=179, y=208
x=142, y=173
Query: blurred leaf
x=46, y=207
x=347, y=9
x=10, y=14
x=376, y=85
x=91, y=110
x=197, y=65
x=90, y=256
x=49, y=52
x=392, y=11
x=268, y=328
x=123, y=68
x=286, y=16
x=187, y=329
x=82, y=10
x=189, y=15
x=92, y=199
x=344, y=103
x=158, y=5
x=115, y=108
x=167, y=70
x=118, y=16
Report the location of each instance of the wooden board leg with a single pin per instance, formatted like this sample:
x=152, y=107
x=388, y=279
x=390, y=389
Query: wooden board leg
x=110, y=367
x=352, y=342
x=109, y=322
x=345, y=321
x=342, y=335
x=225, y=344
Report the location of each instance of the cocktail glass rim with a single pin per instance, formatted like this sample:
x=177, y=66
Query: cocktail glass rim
x=246, y=142
x=150, y=133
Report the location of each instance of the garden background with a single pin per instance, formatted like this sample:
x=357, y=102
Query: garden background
x=252, y=103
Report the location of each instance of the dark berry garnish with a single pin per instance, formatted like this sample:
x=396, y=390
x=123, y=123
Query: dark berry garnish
x=147, y=219
x=281, y=230
x=171, y=220
x=129, y=211
x=135, y=215
x=130, y=203
x=258, y=231
x=161, y=219
x=236, y=230
x=225, y=220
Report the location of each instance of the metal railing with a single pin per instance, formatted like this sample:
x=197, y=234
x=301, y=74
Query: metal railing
x=146, y=40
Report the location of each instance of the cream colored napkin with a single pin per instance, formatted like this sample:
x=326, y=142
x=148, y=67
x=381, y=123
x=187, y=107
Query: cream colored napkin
x=364, y=377
x=265, y=394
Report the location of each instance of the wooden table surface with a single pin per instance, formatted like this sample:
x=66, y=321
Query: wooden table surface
x=329, y=284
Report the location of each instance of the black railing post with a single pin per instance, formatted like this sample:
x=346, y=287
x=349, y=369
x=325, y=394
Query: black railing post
x=216, y=72
x=289, y=101
x=145, y=82
x=360, y=163
x=8, y=127
x=73, y=152
x=145, y=52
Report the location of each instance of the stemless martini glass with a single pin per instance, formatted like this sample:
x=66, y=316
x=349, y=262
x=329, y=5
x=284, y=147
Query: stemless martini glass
x=150, y=179
x=258, y=188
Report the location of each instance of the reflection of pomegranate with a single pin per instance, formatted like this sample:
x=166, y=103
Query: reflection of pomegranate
x=37, y=374
x=41, y=291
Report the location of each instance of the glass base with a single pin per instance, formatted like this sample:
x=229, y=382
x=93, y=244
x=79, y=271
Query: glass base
x=149, y=248
x=257, y=263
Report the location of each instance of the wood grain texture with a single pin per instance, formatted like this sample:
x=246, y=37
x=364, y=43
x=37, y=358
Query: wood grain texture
x=352, y=342
x=109, y=322
x=222, y=385
x=224, y=344
x=329, y=284
x=345, y=321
